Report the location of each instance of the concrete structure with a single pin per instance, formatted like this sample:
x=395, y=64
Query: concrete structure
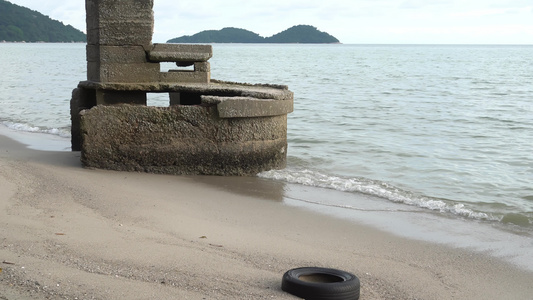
x=209, y=127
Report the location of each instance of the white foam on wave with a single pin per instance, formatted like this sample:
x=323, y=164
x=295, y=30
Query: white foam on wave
x=29, y=128
x=374, y=188
x=45, y=139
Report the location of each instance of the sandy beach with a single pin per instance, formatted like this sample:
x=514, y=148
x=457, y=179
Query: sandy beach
x=72, y=233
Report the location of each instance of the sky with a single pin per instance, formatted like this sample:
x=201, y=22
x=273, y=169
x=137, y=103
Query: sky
x=350, y=21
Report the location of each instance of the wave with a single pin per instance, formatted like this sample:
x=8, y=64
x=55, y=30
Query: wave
x=374, y=188
x=61, y=132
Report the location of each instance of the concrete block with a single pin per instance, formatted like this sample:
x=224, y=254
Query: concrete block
x=181, y=140
x=122, y=22
x=116, y=54
x=120, y=33
x=81, y=99
x=104, y=97
x=174, y=98
x=202, y=67
x=117, y=9
x=123, y=73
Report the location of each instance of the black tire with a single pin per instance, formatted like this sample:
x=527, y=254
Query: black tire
x=312, y=283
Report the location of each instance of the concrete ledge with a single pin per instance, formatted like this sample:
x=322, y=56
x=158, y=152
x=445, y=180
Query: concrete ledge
x=214, y=88
x=180, y=53
x=247, y=107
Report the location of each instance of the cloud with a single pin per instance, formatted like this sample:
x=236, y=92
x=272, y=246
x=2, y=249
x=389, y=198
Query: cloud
x=362, y=21
x=481, y=13
x=422, y=4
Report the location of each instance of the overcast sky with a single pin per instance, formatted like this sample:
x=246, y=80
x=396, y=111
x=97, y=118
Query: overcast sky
x=351, y=21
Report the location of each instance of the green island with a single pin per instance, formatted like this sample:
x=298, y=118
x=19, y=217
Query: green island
x=21, y=24
x=302, y=34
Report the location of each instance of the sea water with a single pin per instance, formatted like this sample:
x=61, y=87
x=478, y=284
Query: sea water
x=443, y=128
x=446, y=128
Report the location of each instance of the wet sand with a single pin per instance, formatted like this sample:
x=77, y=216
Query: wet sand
x=73, y=233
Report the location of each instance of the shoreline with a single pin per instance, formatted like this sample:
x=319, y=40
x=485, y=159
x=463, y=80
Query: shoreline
x=93, y=234
x=513, y=244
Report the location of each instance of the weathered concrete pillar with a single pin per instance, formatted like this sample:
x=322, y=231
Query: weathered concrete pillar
x=119, y=32
x=181, y=139
x=210, y=127
x=119, y=22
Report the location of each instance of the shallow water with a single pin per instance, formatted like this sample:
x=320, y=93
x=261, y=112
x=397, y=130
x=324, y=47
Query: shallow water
x=443, y=128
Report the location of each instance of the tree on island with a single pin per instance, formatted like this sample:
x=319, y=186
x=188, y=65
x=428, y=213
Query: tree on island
x=296, y=34
x=225, y=35
x=304, y=34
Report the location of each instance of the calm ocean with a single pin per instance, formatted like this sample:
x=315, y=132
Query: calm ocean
x=445, y=128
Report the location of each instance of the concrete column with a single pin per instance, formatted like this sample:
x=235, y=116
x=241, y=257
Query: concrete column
x=119, y=22
x=119, y=32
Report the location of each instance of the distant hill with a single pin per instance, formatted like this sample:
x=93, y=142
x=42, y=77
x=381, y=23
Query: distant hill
x=297, y=34
x=225, y=35
x=304, y=34
x=20, y=24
